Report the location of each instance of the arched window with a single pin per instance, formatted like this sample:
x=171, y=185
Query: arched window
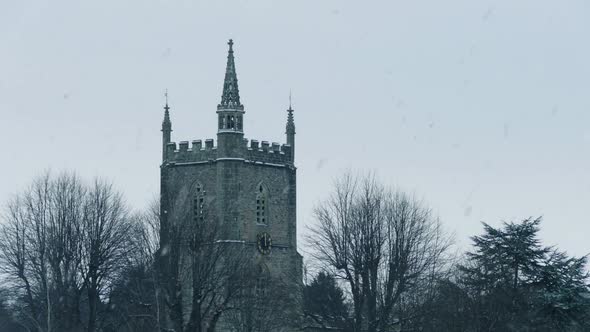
x=198, y=203
x=230, y=122
x=261, y=206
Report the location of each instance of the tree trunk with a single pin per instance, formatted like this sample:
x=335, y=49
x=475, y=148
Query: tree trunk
x=213, y=322
x=92, y=307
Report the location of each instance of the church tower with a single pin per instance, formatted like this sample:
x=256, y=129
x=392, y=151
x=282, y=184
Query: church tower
x=247, y=186
x=230, y=112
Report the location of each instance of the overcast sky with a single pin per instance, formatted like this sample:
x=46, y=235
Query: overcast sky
x=479, y=107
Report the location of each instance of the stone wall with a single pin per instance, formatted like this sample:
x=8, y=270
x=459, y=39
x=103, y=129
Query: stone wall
x=231, y=187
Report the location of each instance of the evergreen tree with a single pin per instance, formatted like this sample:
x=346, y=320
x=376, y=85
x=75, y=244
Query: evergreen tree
x=7, y=321
x=325, y=301
x=132, y=302
x=516, y=284
x=564, y=301
x=450, y=309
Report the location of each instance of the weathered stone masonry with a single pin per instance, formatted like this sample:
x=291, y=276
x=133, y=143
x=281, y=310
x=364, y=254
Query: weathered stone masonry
x=250, y=186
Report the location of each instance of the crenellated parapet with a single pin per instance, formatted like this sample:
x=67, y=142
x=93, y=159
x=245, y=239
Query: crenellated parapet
x=253, y=151
x=269, y=153
x=197, y=152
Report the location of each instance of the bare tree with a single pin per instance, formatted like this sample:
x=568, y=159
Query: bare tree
x=147, y=232
x=106, y=242
x=63, y=230
x=15, y=257
x=201, y=272
x=381, y=242
x=133, y=297
x=40, y=251
x=61, y=237
x=265, y=303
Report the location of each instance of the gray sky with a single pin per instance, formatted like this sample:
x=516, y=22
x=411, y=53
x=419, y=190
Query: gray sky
x=479, y=107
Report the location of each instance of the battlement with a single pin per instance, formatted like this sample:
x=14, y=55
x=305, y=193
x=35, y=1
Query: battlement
x=270, y=153
x=256, y=152
x=197, y=152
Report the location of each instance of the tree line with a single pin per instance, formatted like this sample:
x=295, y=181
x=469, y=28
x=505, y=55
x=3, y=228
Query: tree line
x=63, y=243
x=75, y=257
x=385, y=265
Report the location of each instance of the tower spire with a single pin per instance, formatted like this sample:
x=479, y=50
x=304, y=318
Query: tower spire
x=230, y=99
x=230, y=113
x=166, y=127
x=290, y=129
x=166, y=112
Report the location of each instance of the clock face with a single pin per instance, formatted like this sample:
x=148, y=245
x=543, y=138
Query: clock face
x=264, y=243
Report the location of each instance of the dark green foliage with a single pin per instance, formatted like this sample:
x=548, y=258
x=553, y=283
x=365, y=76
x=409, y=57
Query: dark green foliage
x=510, y=282
x=7, y=321
x=324, y=301
x=564, y=300
x=448, y=310
x=132, y=302
x=505, y=258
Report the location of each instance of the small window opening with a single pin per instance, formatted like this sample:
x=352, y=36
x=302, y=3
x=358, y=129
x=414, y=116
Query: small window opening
x=199, y=204
x=261, y=207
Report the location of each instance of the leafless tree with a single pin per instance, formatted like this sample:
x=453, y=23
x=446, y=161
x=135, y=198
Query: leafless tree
x=146, y=240
x=147, y=233
x=382, y=242
x=106, y=242
x=59, y=238
x=64, y=238
x=201, y=272
x=16, y=265
x=267, y=303
x=40, y=250
x=133, y=297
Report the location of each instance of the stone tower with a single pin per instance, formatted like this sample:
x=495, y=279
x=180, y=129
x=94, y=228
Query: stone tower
x=249, y=186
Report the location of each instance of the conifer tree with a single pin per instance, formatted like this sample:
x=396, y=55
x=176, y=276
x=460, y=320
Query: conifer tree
x=324, y=300
x=517, y=284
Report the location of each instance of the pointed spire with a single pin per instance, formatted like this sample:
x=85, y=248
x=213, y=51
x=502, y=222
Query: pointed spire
x=231, y=94
x=166, y=127
x=166, y=124
x=290, y=129
x=290, y=120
